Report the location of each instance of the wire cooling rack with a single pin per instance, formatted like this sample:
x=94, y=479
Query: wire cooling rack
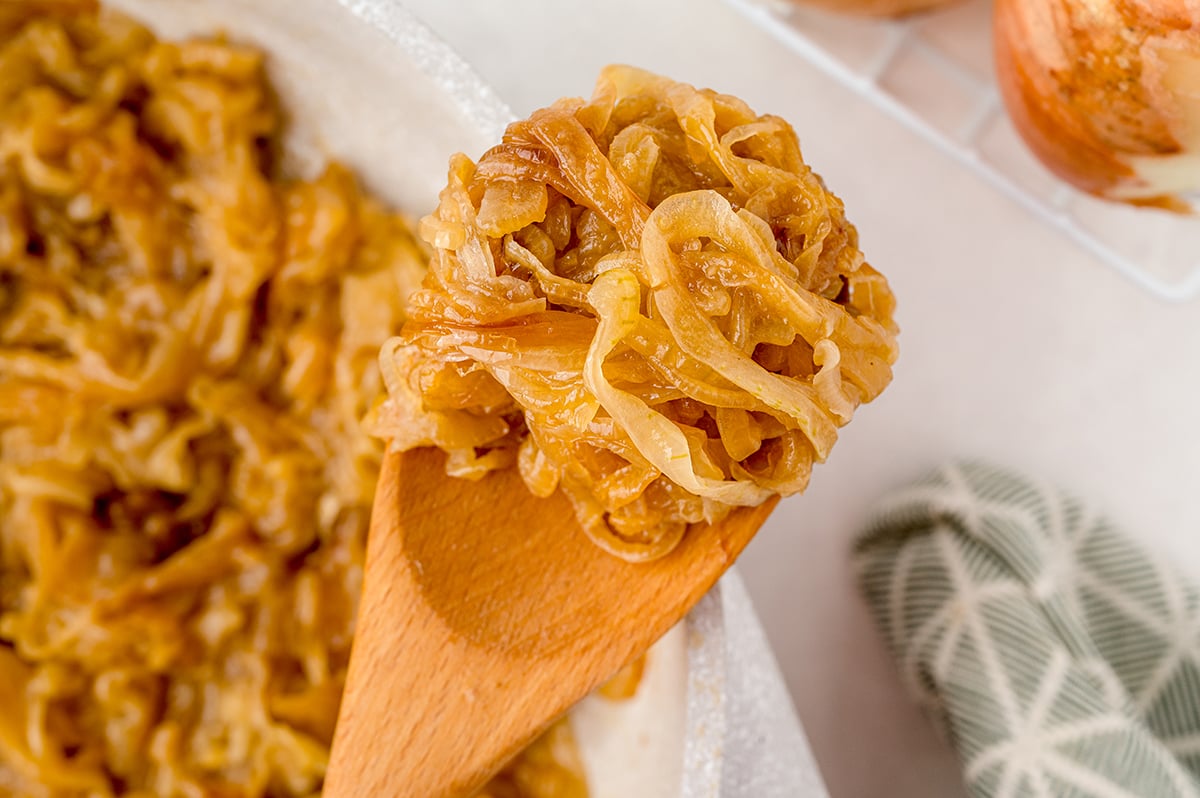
x=934, y=73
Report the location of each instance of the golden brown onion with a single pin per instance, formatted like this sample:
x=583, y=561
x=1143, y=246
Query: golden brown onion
x=187, y=346
x=1106, y=93
x=647, y=301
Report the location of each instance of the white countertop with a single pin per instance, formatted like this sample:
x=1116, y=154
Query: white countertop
x=1015, y=347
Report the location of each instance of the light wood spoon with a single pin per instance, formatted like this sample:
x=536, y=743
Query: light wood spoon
x=486, y=613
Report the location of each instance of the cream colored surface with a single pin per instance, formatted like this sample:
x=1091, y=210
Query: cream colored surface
x=1015, y=347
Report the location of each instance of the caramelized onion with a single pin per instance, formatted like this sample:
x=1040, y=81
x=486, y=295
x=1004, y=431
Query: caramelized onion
x=647, y=301
x=188, y=343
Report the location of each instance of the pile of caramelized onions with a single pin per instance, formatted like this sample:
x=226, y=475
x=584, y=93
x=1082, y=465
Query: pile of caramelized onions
x=647, y=301
x=1106, y=93
x=188, y=343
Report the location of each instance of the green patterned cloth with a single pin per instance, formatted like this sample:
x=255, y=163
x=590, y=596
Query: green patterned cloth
x=1059, y=658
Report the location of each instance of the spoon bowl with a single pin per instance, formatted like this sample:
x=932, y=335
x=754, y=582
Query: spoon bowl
x=486, y=614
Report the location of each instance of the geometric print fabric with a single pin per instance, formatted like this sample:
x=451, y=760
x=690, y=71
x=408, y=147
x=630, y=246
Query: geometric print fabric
x=1060, y=659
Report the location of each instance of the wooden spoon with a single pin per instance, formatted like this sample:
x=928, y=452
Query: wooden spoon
x=486, y=613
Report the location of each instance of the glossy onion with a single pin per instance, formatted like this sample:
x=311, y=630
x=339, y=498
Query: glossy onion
x=647, y=301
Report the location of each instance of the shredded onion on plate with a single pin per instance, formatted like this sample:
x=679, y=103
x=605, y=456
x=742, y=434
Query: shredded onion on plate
x=188, y=343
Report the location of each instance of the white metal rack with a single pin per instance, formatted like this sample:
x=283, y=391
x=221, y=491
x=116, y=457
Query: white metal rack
x=934, y=73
